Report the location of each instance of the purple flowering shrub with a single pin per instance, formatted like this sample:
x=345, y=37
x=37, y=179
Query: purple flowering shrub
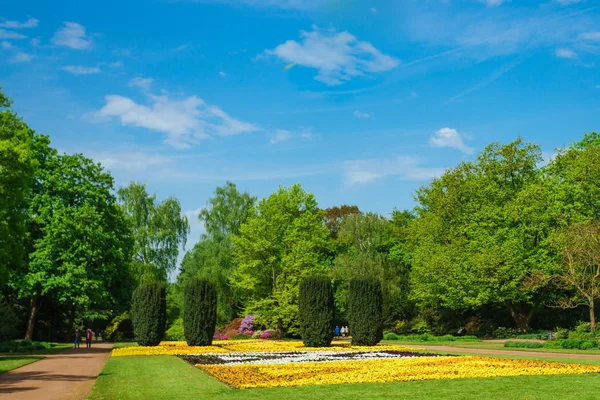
x=247, y=324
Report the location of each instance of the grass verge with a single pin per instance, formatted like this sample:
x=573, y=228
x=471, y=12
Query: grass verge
x=10, y=363
x=156, y=377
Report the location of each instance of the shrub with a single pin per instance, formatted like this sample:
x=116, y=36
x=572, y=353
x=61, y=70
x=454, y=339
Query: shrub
x=247, y=324
x=10, y=322
x=149, y=313
x=420, y=327
x=175, y=331
x=315, y=305
x=391, y=336
x=120, y=328
x=578, y=344
x=561, y=333
x=528, y=345
x=256, y=334
x=365, y=311
x=401, y=328
x=199, y=312
x=270, y=334
x=233, y=328
x=506, y=333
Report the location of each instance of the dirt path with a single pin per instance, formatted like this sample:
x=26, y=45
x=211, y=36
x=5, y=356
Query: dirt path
x=537, y=354
x=68, y=375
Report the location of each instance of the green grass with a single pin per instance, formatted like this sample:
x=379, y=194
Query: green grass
x=157, y=377
x=497, y=346
x=118, y=345
x=10, y=363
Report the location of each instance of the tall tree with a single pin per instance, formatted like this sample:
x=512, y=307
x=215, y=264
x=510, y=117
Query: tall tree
x=79, y=239
x=334, y=216
x=159, y=228
x=285, y=241
x=481, y=236
x=16, y=179
x=579, y=247
x=212, y=258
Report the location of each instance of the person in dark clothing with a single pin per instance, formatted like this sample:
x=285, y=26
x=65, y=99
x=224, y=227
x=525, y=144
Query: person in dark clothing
x=77, y=339
x=88, y=338
x=337, y=331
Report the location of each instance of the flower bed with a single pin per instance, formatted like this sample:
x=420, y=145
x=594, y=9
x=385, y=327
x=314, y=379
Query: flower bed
x=241, y=346
x=385, y=370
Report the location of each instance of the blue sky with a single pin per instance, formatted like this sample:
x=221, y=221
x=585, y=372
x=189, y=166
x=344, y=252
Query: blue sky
x=361, y=102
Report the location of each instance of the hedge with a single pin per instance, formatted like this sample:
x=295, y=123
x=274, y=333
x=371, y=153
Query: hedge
x=199, y=312
x=316, y=311
x=365, y=302
x=149, y=314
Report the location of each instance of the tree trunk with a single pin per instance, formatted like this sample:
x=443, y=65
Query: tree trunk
x=35, y=307
x=592, y=316
x=521, y=314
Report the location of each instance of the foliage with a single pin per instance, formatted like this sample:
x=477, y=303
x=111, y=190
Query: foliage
x=364, y=311
x=506, y=333
x=199, y=312
x=284, y=242
x=527, y=345
x=16, y=178
x=149, y=314
x=23, y=346
x=572, y=344
x=10, y=321
x=390, y=336
x=484, y=223
x=175, y=331
x=158, y=230
x=316, y=310
x=247, y=324
x=120, y=328
x=334, y=217
x=211, y=257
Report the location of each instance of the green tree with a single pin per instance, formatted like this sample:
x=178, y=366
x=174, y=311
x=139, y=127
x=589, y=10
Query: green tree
x=481, y=236
x=285, y=241
x=200, y=312
x=365, y=243
x=212, y=256
x=159, y=228
x=80, y=243
x=334, y=216
x=316, y=311
x=365, y=305
x=149, y=313
x=16, y=179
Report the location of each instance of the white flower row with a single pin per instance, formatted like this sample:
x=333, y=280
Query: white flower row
x=305, y=356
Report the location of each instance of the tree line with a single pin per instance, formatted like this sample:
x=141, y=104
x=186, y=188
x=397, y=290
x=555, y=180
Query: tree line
x=504, y=239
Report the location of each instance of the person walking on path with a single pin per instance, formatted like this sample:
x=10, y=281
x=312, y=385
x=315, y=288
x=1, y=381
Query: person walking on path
x=77, y=339
x=337, y=331
x=88, y=338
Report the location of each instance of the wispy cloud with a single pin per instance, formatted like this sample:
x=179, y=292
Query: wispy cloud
x=338, y=57
x=493, y=3
x=489, y=79
x=448, y=137
x=4, y=34
x=360, y=114
x=283, y=4
x=568, y=2
x=6, y=45
x=402, y=167
x=142, y=83
x=280, y=135
x=137, y=161
x=72, y=35
x=30, y=23
x=222, y=74
x=565, y=53
x=183, y=121
x=81, y=70
x=591, y=36
x=21, y=56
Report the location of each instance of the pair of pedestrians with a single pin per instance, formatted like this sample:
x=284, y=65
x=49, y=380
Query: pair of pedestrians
x=88, y=338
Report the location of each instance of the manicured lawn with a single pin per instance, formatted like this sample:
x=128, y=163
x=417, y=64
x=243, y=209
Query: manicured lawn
x=118, y=345
x=157, y=377
x=9, y=363
x=490, y=346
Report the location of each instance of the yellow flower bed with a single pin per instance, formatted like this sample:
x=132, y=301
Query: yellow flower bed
x=226, y=346
x=385, y=370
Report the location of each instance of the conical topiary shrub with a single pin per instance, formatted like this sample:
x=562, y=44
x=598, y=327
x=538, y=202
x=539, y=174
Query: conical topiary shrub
x=365, y=303
x=149, y=313
x=199, y=312
x=316, y=311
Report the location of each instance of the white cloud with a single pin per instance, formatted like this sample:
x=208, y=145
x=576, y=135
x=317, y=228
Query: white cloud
x=183, y=121
x=338, y=57
x=597, y=86
x=136, y=161
x=402, y=167
x=116, y=64
x=142, y=83
x=280, y=135
x=4, y=34
x=21, y=57
x=30, y=23
x=72, y=35
x=284, y=4
x=447, y=137
x=373, y=10
x=223, y=74
x=592, y=36
x=6, y=45
x=360, y=114
x=307, y=135
x=493, y=3
x=565, y=53
x=80, y=70
x=568, y=2
x=35, y=42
